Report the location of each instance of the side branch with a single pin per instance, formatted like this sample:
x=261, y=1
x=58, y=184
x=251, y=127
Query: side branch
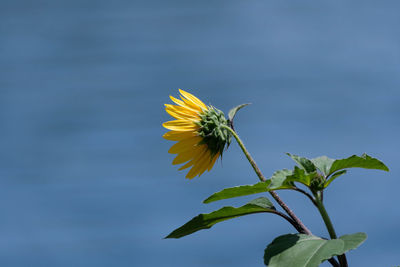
x=306, y=194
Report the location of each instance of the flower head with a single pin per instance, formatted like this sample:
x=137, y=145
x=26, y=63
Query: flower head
x=198, y=131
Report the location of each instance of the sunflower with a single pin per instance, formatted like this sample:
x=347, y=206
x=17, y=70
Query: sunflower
x=198, y=131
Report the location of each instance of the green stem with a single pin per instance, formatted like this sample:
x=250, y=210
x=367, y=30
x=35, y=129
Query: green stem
x=326, y=218
x=301, y=227
x=329, y=225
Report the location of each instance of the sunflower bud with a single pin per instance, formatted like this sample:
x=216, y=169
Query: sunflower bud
x=317, y=183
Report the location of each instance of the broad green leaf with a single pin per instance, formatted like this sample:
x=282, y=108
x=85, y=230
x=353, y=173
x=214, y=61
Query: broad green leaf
x=278, y=180
x=304, y=163
x=353, y=241
x=232, y=112
x=334, y=176
x=300, y=250
x=206, y=221
x=239, y=191
x=300, y=175
x=363, y=161
x=323, y=164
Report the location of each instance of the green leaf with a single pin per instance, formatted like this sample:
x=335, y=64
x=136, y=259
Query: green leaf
x=300, y=175
x=239, y=191
x=353, y=241
x=334, y=176
x=304, y=163
x=233, y=111
x=284, y=179
x=300, y=250
x=363, y=161
x=278, y=180
x=323, y=164
x=245, y=190
x=206, y=221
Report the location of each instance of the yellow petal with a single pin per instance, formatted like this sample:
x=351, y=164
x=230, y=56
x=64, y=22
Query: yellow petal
x=205, y=165
x=187, y=165
x=177, y=114
x=177, y=101
x=191, y=105
x=213, y=161
x=185, y=155
x=193, y=99
x=178, y=135
x=185, y=145
x=180, y=125
x=200, y=151
x=195, y=170
x=185, y=110
x=185, y=105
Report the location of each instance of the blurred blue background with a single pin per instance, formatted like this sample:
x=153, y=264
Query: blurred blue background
x=85, y=177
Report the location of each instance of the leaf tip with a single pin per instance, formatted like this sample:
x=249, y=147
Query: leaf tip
x=386, y=168
x=168, y=237
x=172, y=235
x=207, y=200
x=232, y=112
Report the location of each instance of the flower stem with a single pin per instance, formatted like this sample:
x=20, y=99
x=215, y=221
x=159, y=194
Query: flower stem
x=329, y=225
x=301, y=226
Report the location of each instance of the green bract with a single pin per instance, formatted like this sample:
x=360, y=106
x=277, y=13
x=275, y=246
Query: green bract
x=214, y=135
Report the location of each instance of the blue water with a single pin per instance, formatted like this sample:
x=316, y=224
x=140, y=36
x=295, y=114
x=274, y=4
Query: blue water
x=85, y=177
